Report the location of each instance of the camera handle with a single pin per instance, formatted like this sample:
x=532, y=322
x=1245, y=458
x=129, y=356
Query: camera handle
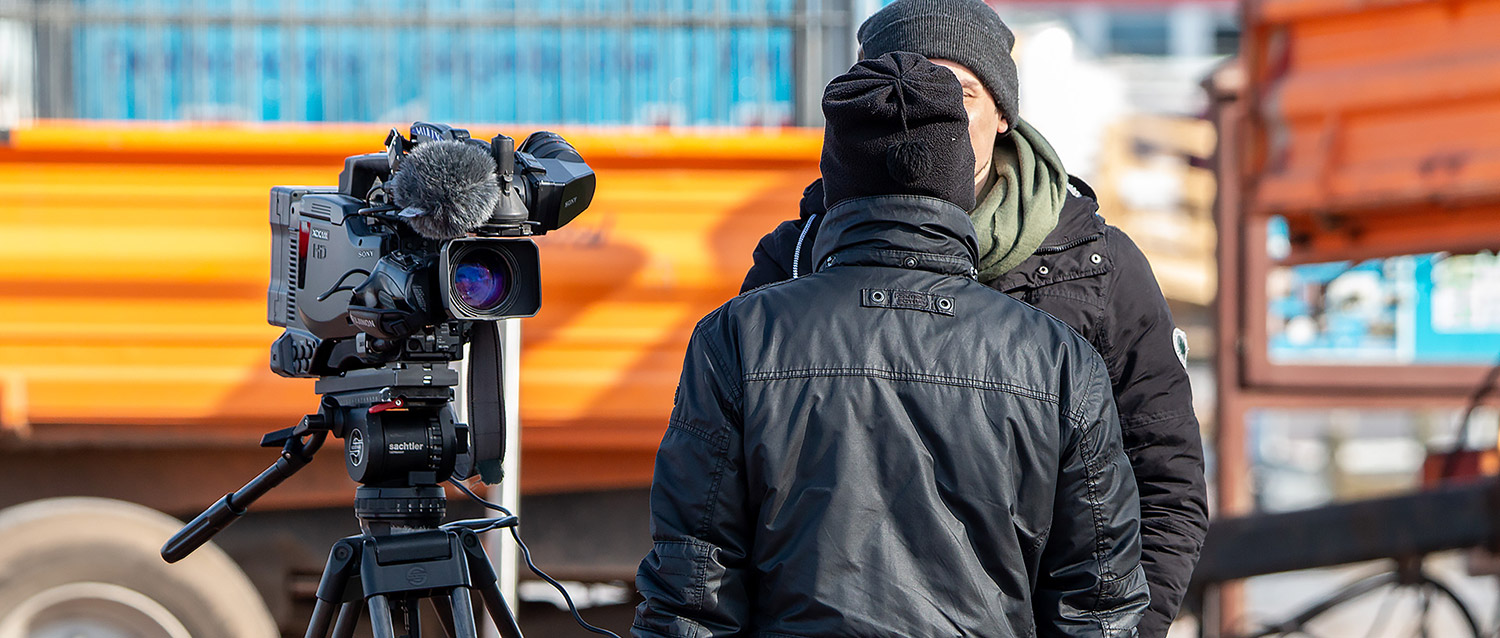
x=296, y=452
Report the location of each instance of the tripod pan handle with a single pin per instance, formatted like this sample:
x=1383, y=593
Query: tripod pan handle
x=202, y=528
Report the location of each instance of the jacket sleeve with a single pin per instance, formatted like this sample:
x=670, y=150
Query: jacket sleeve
x=774, y=256
x=695, y=578
x=1160, y=431
x=1090, y=582
x=786, y=252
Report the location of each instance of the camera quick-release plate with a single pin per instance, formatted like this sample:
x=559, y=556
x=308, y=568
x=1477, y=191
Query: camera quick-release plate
x=381, y=384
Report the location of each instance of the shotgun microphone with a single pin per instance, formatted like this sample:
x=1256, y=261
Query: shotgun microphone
x=446, y=188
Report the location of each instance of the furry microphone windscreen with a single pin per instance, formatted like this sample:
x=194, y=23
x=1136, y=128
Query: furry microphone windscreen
x=446, y=188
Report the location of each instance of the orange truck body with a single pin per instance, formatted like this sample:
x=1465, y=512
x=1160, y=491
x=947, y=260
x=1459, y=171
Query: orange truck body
x=133, y=289
x=1374, y=128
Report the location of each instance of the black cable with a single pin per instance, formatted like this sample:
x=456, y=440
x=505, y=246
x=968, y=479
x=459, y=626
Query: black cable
x=338, y=286
x=465, y=489
x=526, y=554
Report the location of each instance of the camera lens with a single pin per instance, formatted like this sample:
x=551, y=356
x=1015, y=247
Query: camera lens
x=481, y=279
x=489, y=278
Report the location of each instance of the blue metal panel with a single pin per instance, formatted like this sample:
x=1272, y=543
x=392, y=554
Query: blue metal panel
x=274, y=68
x=1422, y=309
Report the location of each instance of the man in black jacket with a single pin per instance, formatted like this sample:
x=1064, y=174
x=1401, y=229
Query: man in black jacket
x=1041, y=241
x=831, y=468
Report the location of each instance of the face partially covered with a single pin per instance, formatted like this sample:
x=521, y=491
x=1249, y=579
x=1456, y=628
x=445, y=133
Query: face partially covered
x=985, y=121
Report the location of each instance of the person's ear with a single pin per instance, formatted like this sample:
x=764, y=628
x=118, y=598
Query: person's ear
x=1004, y=126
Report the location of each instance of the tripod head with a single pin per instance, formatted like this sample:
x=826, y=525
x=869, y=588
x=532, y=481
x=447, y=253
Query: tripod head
x=401, y=442
x=396, y=423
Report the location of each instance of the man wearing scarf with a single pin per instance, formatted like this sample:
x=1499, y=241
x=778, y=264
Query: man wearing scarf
x=829, y=471
x=1041, y=240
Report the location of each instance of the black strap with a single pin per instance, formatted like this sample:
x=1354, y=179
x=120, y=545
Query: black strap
x=486, y=393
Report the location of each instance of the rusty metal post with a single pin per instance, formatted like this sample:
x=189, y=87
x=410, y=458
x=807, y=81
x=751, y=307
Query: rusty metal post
x=1225, y=607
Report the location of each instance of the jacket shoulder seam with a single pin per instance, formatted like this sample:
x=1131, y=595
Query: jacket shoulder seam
x=735, y=391
x=764, y=286
x=1076, y=417
x=897, y=375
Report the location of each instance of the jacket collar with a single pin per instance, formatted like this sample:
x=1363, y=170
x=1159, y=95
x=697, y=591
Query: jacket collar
x=1073, y=250
x=901, y=231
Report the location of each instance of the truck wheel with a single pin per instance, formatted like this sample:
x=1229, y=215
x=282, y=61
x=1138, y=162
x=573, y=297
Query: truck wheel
x=89, y=568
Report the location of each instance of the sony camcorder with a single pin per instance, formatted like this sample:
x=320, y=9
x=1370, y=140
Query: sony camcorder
x=413, y=243
x=380, y=284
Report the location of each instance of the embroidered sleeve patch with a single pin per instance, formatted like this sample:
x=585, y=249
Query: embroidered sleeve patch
x=1179, y=344
x=907, y=300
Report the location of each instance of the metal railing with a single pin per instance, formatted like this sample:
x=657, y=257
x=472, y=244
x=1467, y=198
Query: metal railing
x=622, y=62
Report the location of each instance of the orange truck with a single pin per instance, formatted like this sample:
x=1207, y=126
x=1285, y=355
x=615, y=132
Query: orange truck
x=134, y=379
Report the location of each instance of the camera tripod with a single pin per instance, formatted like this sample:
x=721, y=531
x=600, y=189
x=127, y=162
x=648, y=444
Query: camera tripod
x=399, y=438
x=390, y=571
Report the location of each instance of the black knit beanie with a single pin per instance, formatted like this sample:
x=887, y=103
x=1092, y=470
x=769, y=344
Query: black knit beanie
x=968, y=32
x=896, y=125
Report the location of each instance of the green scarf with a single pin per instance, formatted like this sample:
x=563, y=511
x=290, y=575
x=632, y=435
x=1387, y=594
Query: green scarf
x=1020, y=206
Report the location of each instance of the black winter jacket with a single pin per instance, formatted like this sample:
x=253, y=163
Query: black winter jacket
x=831, y=468
x=1092, y=277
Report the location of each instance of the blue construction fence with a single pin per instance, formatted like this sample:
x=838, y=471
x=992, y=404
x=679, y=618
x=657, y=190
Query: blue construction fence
x=612, y=62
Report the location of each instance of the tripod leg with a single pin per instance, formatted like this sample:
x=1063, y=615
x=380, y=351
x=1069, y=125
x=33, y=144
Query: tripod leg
x=494, y=601
x=336, y=573
x=462, y=607
x=381, y=624
x=411, y=610
x=322, y=614
x=444, y=606
x=348, y=619
x=488, y=585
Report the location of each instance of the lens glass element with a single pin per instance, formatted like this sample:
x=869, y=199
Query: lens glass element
x=481, y=280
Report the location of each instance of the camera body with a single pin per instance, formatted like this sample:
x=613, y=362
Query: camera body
x=356, y=287
x=378, y=295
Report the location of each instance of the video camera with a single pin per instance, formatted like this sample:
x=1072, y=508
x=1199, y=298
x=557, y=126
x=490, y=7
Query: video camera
x=379, y=270
x=382, y=281
x=380, y=284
